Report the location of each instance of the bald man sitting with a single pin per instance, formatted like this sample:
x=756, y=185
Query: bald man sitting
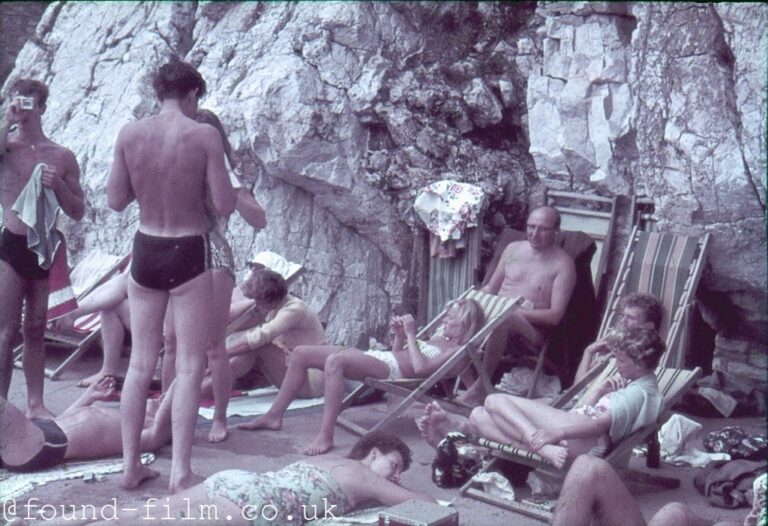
x=542, y=273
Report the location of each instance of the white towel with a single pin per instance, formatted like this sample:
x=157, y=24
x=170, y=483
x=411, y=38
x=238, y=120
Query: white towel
x=38, y=208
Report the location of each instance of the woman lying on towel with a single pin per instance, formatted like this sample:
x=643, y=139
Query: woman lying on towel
x=325, y=487
x=410, y=358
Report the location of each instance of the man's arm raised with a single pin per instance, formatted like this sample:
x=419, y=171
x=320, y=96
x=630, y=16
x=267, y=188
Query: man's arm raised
x=67, y=186
x=222, y=194
x=119, y=189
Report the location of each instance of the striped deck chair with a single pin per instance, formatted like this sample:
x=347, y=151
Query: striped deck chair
x=668, y=266
x=94, y=270
x=673, y=384
x=415, y=389
x=450, y=277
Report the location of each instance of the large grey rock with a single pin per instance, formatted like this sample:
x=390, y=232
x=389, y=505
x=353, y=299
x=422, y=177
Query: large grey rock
x=341, y=111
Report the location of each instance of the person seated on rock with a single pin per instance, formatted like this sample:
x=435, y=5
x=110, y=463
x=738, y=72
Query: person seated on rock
x=593, y=490
x=327, y=486
x=409, y=358
x=538, y=270
x=287, y=323
x=83, y=431
x=620, y=405
x=636, y=310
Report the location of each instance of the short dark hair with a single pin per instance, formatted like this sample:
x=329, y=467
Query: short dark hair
x=649, y=304
x=30, y=88
x=176, y=79
x=642, y=344
x=266, y=286
x=384, y=442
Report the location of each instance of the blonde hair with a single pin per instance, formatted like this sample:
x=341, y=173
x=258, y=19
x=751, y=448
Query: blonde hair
x=471, y=317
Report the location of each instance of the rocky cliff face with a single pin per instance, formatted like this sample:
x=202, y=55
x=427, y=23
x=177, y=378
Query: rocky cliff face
x=342, y=111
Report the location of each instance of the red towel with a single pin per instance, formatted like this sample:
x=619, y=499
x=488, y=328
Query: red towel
x=61, y=297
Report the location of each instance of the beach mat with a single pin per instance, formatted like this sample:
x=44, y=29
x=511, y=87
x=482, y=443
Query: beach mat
x=13, y=484
x=257, y=402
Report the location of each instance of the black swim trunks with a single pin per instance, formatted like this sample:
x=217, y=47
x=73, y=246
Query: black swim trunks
x=14, y=251
x=164, y=263
x=53, y=450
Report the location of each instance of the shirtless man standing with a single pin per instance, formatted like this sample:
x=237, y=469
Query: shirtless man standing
x=170, y=164
x=21, y=276
x=539, y=271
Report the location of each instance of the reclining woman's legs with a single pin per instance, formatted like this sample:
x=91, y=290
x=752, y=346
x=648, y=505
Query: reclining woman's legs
x=518, y=418
x=348, y=363
x=338, y=363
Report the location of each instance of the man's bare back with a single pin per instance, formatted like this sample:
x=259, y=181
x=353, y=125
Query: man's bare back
x=167, y=159
x=172, y=166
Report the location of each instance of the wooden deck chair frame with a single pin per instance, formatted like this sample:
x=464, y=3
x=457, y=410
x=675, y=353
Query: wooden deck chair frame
x=595, y=216
x=673, y=384
x=670, y=268
x=80, y=341
x=496, y=308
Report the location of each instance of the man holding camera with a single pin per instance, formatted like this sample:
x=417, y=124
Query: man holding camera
x=25, y=150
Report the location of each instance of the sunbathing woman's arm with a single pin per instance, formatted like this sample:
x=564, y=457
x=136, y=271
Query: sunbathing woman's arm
x=388, y=493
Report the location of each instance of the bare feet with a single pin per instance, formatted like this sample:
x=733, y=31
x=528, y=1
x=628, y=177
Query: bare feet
x=218, y=431
x=188, y=481
x=267, y=421
x=93, y=379
x=132, y=479
x=436, y=423
x=40, y=412
x=556, y=455
x=321, y=444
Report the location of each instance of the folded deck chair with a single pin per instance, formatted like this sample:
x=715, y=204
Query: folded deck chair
x=673, y=384
x=496, y=308
x=94, y=270
x=595, y=216
x=668, y=266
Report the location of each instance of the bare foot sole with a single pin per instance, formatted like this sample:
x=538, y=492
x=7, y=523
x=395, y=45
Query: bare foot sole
x=132, y=480
x=40, y=413
x=555, y=455
x=319, y=446
x=263, y=422
x=218, y=432
x=187, y=482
